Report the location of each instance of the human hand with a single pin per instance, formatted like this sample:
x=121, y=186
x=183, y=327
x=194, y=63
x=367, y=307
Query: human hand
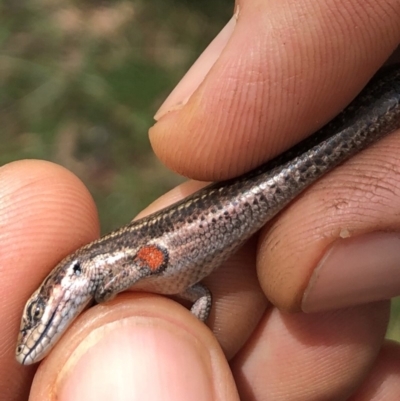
x=273, y=77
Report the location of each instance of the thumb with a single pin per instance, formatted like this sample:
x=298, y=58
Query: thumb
x=277, y=72
x=135, y=345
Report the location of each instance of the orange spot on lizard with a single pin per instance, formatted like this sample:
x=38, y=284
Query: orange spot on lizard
x=152, y=256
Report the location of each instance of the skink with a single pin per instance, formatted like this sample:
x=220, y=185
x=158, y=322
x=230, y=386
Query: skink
x=171, y=251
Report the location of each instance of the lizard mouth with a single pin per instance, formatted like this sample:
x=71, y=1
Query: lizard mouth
x=27, y=360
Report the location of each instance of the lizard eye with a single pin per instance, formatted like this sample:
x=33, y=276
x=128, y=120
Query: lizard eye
x=77, y=268
x=36, y=310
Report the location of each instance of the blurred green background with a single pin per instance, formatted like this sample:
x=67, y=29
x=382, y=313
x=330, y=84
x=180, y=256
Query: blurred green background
x=81, y=81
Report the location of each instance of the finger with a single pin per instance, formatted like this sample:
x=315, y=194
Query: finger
x=133, y=346
x=337, y=245
x=281, y=70
x=238, y=301
x=45, y=213
x=323, y=356
x=383, y=382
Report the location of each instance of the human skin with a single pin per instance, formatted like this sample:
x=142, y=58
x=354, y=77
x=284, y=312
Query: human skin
x=279, y=71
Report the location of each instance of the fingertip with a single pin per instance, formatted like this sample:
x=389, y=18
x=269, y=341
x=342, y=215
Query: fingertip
x=258, y=100
x=355, y=271
x=135, y=346
x=337, y=244
x=383, y=381
x=45, y=212
x=311, y=356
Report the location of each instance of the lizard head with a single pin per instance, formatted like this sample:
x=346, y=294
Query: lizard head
x=50, y=310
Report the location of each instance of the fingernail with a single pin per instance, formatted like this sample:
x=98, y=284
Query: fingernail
x=137, y=359
x=355, y=271
x=196, y=74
